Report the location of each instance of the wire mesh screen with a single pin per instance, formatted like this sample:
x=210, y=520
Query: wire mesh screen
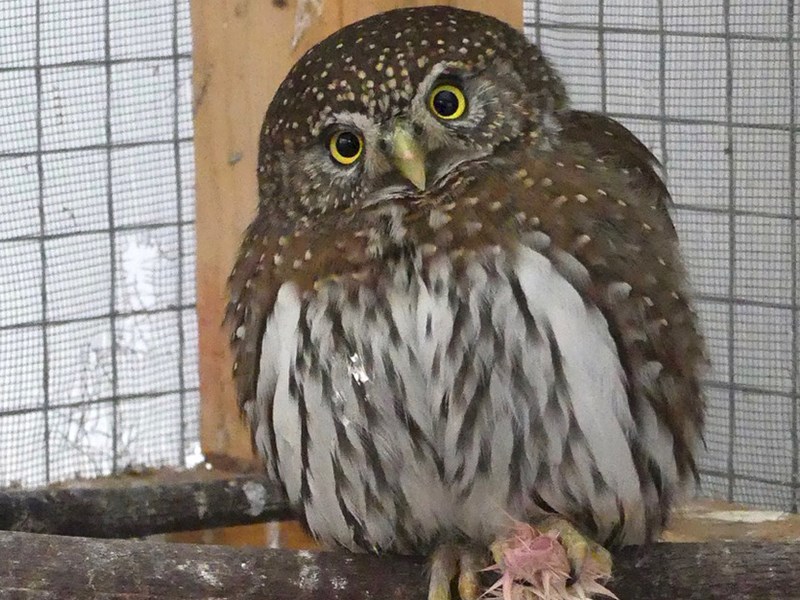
x=97, y=326
x=711, y=88
x=97, y=320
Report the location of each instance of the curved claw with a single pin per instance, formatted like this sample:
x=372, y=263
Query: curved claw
x=578, y=547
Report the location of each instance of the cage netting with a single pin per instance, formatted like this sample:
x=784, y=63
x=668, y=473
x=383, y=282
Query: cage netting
x=98, y=338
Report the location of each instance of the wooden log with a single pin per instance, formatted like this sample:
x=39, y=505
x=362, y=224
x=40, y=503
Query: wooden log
x=39, y=566
x=118, y=511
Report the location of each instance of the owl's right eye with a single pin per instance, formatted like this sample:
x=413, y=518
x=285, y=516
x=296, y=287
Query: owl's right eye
x=345, y=147
x=447, y=102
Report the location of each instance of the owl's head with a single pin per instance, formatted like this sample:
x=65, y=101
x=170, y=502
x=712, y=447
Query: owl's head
x=393, y=104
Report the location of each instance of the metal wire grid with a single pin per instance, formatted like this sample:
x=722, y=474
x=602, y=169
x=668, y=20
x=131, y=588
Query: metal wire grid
x=711, y=88
x=98, y=365
x=96, y=156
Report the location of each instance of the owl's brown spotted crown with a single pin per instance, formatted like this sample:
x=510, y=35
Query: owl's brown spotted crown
x=370, y=76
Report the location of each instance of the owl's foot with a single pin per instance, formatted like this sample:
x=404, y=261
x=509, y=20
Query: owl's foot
x=552, y=561
x=581, y=551
x=451, y=561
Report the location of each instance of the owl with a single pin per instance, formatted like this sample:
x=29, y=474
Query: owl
x=461, y=303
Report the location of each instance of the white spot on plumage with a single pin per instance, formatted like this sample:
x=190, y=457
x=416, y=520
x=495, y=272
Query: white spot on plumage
x=618, y=291
x=357, y=371
x=428, y=250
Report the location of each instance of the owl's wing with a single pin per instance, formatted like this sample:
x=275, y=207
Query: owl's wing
x=277, y=249
x=600, y=199
x=597, y=210
x=680, y=348
x=611, y=141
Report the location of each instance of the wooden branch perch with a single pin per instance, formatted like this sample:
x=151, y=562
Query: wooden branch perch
x=47, y=566
x=37, y=566
x=125, y=509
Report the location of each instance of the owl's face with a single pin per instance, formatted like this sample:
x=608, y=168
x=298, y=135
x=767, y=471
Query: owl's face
x=392, y=105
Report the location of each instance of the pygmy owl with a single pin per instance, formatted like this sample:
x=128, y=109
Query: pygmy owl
x=461, y=302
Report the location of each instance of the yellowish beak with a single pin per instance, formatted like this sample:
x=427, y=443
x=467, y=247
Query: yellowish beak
x=408, y=157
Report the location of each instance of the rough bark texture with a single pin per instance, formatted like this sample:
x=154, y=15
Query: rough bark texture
x=118, y=511
x=42, y=566
x=47, y=566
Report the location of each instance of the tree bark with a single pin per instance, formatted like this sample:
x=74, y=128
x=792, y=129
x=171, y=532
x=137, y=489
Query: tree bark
x=127, y=509
x=37, y=566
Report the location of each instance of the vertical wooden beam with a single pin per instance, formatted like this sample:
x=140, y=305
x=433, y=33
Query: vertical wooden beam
x=242, y=51
x=509, y=11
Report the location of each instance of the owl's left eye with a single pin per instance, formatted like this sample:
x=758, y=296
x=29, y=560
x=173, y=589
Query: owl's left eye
x=447, y=102
x=345, y=147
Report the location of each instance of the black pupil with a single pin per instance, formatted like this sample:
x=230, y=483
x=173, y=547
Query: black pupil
x=348, y=144
x=446, y=103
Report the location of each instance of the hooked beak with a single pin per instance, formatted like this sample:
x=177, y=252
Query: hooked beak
x=407, y=156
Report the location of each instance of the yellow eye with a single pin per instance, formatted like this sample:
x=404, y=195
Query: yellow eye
x=447, y=102
x=346, y=147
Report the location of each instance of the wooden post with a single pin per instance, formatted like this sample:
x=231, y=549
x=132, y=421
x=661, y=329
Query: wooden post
x=242, y=51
